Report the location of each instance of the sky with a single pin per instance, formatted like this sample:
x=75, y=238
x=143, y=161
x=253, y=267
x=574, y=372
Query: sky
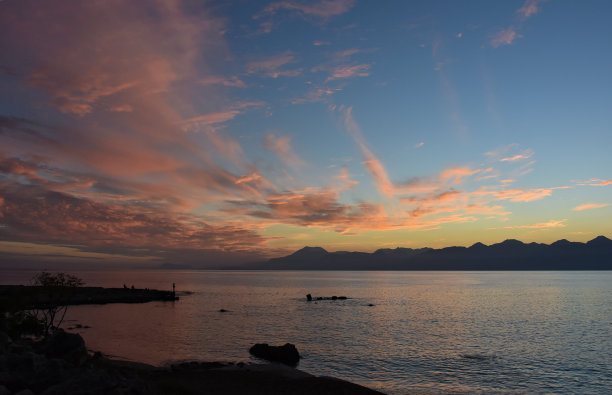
x=222, y=132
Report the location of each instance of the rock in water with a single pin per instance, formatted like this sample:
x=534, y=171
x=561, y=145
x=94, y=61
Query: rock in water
x=287, y=354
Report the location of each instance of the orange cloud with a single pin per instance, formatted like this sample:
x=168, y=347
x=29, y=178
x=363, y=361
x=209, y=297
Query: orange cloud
x=542, y=225
x=598, y=183
x=457, y=174
x=589, y=206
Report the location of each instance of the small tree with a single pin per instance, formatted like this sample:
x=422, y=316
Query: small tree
x=57, y=289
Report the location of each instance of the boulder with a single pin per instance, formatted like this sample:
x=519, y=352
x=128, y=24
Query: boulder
x=5, y=340
x=67, y=346
x=287, y=354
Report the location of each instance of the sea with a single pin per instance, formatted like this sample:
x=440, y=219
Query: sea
x=398, y=332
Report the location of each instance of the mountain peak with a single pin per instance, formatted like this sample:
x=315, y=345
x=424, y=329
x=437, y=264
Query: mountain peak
x=477, y=245
x=509, y=243
x=600, y=241
x=310, y=252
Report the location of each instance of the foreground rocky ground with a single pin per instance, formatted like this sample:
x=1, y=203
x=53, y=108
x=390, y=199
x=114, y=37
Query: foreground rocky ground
x=62, y=365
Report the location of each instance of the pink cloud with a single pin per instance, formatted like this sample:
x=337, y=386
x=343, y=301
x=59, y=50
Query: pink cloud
x=504, y=37
x=531, y=7
x=590, y=206
x=359, y=70
x=372, y=163
x=281, y=147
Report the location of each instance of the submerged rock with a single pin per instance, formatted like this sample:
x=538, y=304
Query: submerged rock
x=287, y=354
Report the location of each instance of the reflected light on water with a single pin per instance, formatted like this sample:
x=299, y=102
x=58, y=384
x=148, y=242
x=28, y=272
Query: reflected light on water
x=427, y=331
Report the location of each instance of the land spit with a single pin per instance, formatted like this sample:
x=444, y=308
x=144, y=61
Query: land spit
x=35, y=297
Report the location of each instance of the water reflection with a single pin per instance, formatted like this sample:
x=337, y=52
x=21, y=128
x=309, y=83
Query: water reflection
x=455, y=331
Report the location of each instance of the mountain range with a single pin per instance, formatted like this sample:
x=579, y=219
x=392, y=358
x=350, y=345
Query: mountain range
x=508, y=255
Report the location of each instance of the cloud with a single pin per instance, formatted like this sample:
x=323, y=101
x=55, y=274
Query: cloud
x=598, y=183
x=271, y=67
x=232, y=81
x=589, y=206
x=345, y=71
x=320, y=43
x=35, y=215
x=522, y=195
x=504, y=37
x=371, y=162
x=531, y=7
x=122, y=108
x=542, y=225
x=525, y=155
x=281, y=147
x=323, y=9
x=457, y=174
x=419, y=145
x=212, y=118
x=317, y=94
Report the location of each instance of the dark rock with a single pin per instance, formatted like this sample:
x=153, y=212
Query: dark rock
x=287, y=354
x=309, y=297
x=67, y=346
x=5, y=340
x=370, y=304
x=223, y=311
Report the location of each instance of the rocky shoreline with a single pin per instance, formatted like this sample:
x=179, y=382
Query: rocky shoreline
x=61, y=364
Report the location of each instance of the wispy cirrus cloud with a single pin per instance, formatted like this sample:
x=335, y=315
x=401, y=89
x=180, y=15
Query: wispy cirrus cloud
x=372, y=163
x=272, y=66
x=346, y=71
x=560, y=223
x=281, y=147
x=323, y=9
x=596, y=182
x=232, y=81
x=590, y=206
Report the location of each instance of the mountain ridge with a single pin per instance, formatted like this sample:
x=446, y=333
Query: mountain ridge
x=509, y=254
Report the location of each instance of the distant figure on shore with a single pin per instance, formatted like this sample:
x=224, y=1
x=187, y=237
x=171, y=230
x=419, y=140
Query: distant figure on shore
x=173, y=290
x=132, y=286
x=309, y=297
x=124, y=286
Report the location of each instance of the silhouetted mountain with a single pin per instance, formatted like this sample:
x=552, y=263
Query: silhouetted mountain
x=508, y=255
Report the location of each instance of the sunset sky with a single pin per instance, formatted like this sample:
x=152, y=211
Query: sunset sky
x=216, y=132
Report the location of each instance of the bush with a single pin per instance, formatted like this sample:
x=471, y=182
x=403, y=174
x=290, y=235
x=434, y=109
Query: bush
x=56, y=291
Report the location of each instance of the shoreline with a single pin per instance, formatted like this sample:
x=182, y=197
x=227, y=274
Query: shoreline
x=62, y=364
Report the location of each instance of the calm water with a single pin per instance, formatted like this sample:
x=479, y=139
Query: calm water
x=514, y=332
